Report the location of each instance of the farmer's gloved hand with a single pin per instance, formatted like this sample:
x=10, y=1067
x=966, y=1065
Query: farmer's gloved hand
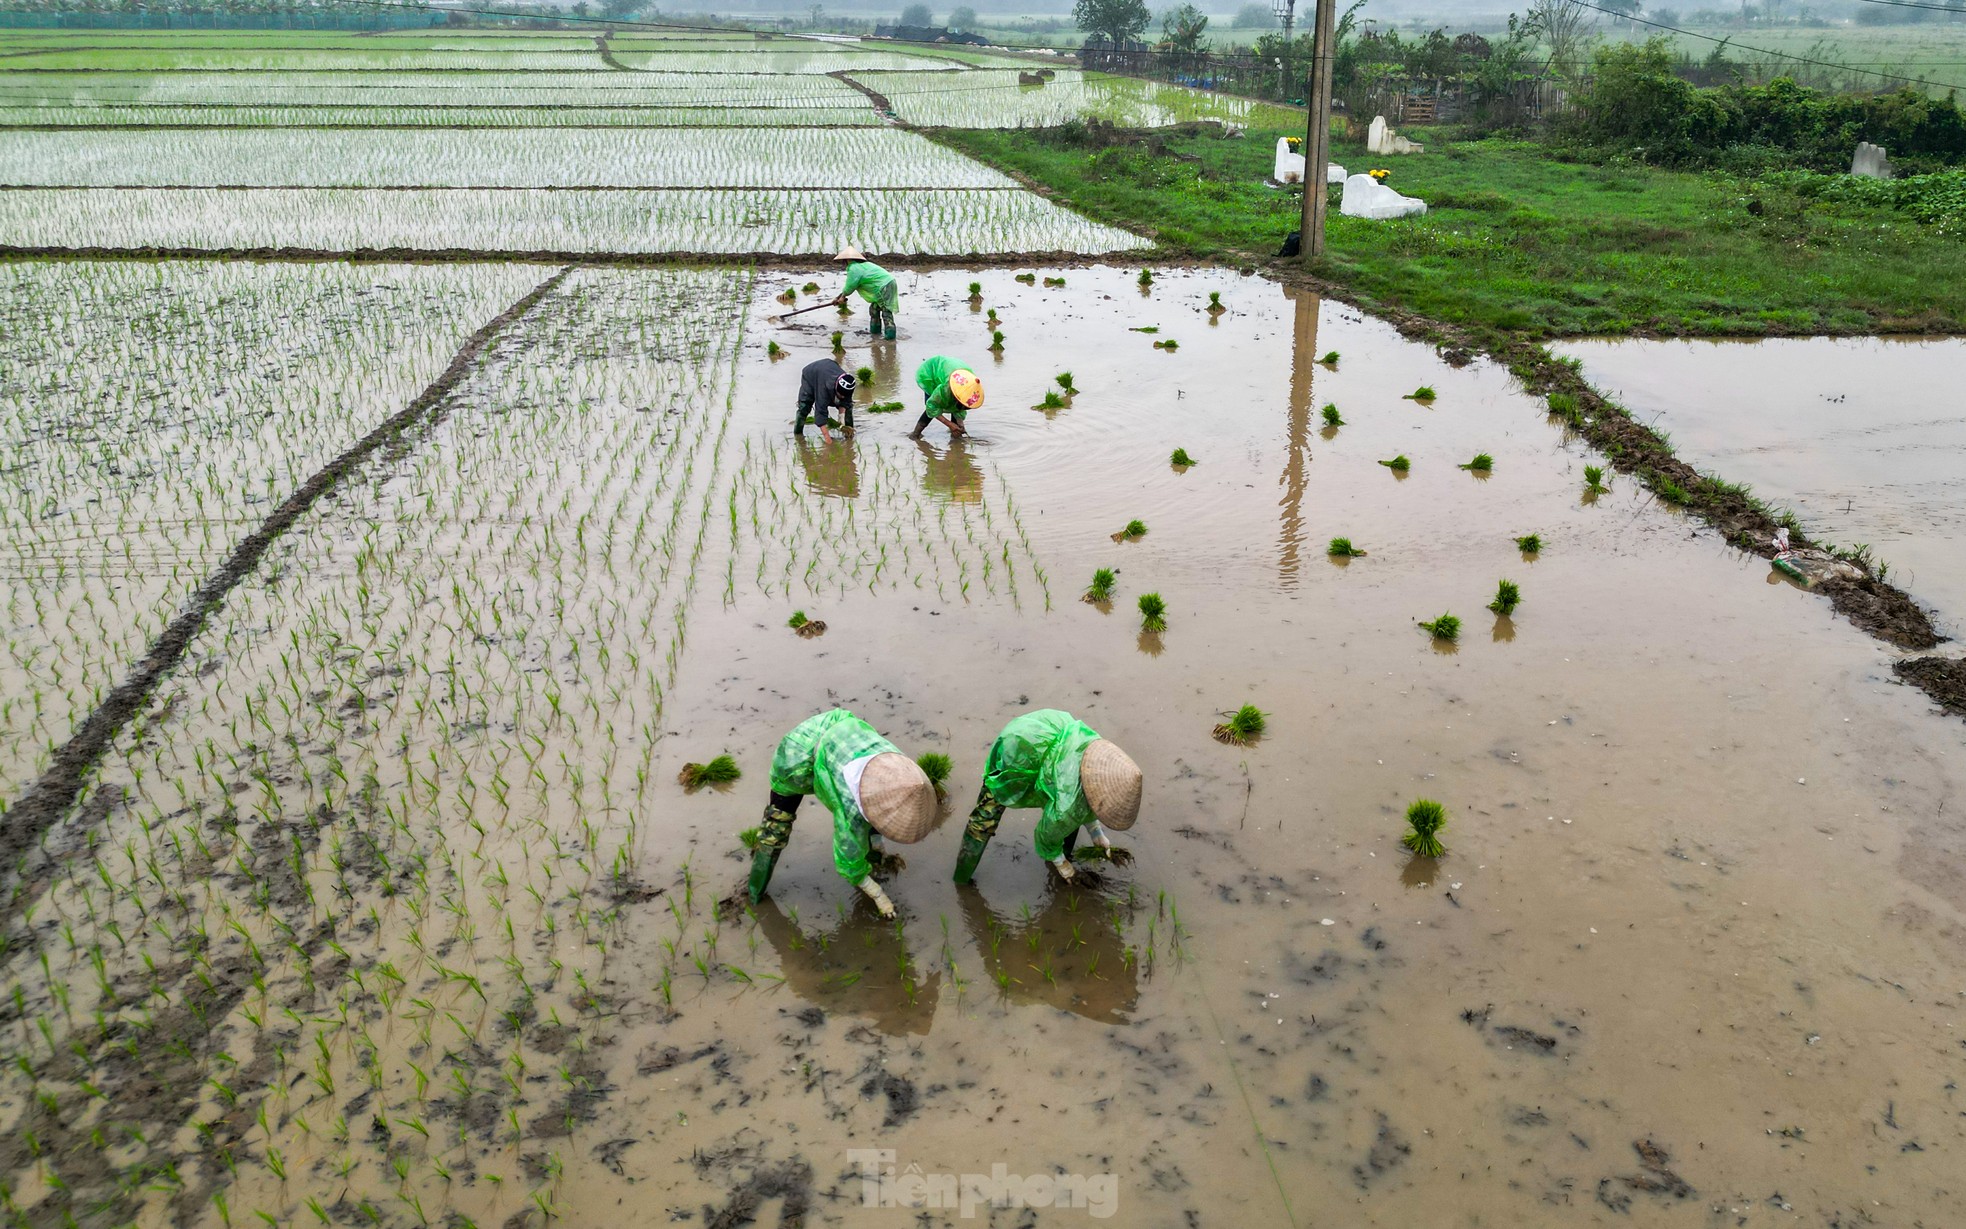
x=1063, y=865
x=875, y=894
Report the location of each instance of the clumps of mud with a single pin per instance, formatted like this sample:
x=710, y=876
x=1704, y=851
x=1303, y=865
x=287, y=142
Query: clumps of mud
x=753, y=1181
x=1654, y=1177
x=810, y=629
x=1944, y=679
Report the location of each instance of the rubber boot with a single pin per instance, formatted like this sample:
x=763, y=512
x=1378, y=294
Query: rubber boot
x=873, y=320
x=773, y=835
x=983, y=821
x=887, y=325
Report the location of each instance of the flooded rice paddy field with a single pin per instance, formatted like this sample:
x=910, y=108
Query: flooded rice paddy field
x=388, y=908
x=1856, y=434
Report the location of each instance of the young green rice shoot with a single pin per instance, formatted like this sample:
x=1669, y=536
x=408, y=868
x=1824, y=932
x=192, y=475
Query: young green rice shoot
x=1330, y=359
x=1343, y=548
x=864, y=376
x=1446, y=627
x=1481, y=464
x=1170, y=344
x=798, y=620
x=1052, y=401
x=1424, y=820
x=1332, y=418
x=1507, y=597
x=1064, y=379
x=1101, y=588
x=1398, y=464
x=1146, y=277
x=1153, y=613
x=1423, y=393
x=839, y=343
x=976, y=292
x=1529, y=543
x=1594, y=480
x=1181, y=458
x=1054, y=282
x=1215, y=301
x=774, y=350
x=996, y=339
x=1243, y=727
x=1134, y=529
x=719, y=771
x=884, y=407
x=1029, y=279
x=935, y=766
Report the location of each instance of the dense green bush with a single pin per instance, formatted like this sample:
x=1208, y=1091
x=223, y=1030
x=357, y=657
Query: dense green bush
x=1938, y=200
x=1636, y=106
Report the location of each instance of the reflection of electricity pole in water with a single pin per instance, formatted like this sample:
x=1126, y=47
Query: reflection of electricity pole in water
x=951, y=472
x=1069, y=954
x=862, y=968
x=831, y=468
x=1296, y=470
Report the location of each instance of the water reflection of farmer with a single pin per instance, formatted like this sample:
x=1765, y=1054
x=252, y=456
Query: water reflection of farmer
x=832, y=468
x=862, y=969
x=1070, y=954
x=951, y=472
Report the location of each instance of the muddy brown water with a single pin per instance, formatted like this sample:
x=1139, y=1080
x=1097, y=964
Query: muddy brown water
x=1855, y=433
x=1694, y=955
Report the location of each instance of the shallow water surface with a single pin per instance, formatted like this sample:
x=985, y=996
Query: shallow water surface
x=1862, y=436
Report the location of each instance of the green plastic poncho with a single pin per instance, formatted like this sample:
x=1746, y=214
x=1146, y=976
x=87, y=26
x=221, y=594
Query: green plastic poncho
x=875, y=284
x=1035, y=763
x=932, y=377
x=809, y=760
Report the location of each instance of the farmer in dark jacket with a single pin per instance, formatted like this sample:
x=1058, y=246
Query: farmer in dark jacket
x=825, y=385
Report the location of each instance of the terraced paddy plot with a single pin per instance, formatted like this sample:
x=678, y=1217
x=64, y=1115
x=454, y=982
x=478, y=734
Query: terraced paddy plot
x=815, y=158
x=151, y=415
x=369, y=99
x=785, y=221
x=994, y=99
x=814, y=59
x=142, y=59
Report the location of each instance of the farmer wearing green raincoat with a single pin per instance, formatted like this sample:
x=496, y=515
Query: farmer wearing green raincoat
x=1055, y=762
x=876, y=285
x=950, y=390
x=872, y=790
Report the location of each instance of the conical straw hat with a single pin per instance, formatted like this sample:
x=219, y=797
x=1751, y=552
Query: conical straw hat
x=1111, y=781
x=966, y=388
x=850, y=252
x=897, y=799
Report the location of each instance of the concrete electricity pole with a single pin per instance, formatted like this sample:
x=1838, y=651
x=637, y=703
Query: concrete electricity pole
x=1317, y=141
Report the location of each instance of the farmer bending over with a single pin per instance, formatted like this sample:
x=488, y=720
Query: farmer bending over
x=951, y=390
x=872, y=790
x=877, y=286
x=824, y=385
x=1052, y=760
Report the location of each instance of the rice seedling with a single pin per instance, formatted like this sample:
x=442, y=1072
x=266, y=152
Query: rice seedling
x=884, y=407
x=1507, y=597
x=936, y=767
x=810, y=288
x=996, y=340
x=1146, y=277
x=1424, y=820
x=1148, y=328
x=1215, y=307
x=1423, y=394
x=774, y=350
x=1029, y=279
x=788, y=296
x=1243, y=727
x=1330, y=359
x=1054, y=282
x=1180, y=458
x=1051, y=401
x=798, y=620
x=1332, y=418
x=1153, y=613
x=1594, y=480
x=1064, y=381
x=991, y=319
x=1398, y=464
x=1529, y=543
x=1101, y=589
x=864, y=377
x=1446, y=627
x=1480, y=464
x=721, y=770
x=1132, y=530
x=1169, y=345
x=1343, y=548
x=976, y=292
x=749, y=837
x=1564, y=406
x=839, y=343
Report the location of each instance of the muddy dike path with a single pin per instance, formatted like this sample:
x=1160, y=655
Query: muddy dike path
x=384, y=905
